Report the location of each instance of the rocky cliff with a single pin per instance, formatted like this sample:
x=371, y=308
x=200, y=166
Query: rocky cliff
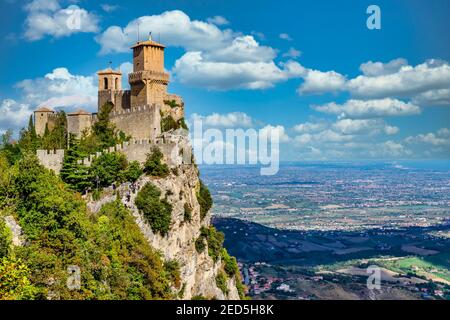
x=180, y=188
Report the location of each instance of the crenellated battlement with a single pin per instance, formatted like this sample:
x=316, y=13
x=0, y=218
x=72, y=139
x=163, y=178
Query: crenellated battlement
x=174, y=146
x=51, y=159
x=138, y=109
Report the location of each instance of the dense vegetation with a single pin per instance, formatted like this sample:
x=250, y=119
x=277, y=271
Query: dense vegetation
x=204, y=199
x=221, y=282
x=214, y=240
x=5, y=239
x=115, y=260
x=172, y=103
x=168, y=123
x=154, y=165
x=157, y=211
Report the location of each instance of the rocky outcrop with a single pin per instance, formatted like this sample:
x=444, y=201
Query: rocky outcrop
x=16, y=231
x=198, y=270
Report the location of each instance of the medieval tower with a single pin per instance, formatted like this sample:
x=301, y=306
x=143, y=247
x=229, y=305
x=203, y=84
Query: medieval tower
x=136, y=112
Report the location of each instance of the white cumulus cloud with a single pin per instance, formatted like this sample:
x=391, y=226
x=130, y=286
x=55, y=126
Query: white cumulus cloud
x=227, y=120
x=60, y=88
x=426, y=84
x=218, y=20
x=13, y=114
x=47, y=18
x=215, y=58
x=370, y=108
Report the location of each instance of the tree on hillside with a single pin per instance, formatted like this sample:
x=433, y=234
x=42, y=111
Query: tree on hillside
x=103, y=129
x=76, y=175
x=10, y=150
x=109, y=168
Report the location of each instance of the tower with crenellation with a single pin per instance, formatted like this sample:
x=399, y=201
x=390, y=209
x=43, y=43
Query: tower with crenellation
x=137, y=112
x=148, y=81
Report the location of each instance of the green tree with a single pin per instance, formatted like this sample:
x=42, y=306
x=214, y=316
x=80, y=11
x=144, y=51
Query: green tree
x=158, y=212
x=103, y=129
x=154, y=166
x=109, y=168
x=133, y=172
x=78, y=176
x=14, y=280
x=56, y=138
x=8, y=148
x=5, y=239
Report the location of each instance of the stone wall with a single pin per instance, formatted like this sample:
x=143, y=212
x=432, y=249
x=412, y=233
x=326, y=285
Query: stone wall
x=175, y=147
x=120, y=98
x=42, y=120
x=140, y=123
x=78, y=123
x=51, y=159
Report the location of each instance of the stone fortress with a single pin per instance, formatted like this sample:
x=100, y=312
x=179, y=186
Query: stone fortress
x=137, y=112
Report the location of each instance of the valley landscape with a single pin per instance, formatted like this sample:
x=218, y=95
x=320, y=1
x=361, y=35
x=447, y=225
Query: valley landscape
x=312, y=231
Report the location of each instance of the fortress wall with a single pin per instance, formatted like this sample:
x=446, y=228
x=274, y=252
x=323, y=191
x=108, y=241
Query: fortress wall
x=142, y=122
x=120, y=98
x=43, y=119
x=175, y=148
x=77, y=124
x=51, y=159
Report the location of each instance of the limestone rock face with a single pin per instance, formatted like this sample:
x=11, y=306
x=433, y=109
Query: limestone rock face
x=198, y=270
x=16, y=231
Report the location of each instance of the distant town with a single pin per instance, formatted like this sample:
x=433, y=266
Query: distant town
x=313, y=230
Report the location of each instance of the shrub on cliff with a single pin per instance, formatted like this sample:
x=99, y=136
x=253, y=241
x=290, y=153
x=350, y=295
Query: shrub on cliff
x=154, y=166
x=158, y=212
x=172, y=268
x=221, y=282
x=214, y=239
x=204, y=200
x=5, y=239
x=229, y=264
x=133, y=172
x=200, y=245
x=172, y=103
x=168, y=123
x=183, y=124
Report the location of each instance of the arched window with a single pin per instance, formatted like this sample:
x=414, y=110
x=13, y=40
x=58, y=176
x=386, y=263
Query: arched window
x=105, y=83
x=116, y=84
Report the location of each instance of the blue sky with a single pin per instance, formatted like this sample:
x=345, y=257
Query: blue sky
x=312, y=70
